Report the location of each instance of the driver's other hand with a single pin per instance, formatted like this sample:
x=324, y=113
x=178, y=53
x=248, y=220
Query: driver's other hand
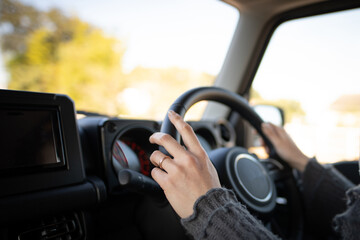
x=285, y=146
x=186, y=176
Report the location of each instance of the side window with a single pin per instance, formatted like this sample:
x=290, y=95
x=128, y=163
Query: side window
x=311, y=70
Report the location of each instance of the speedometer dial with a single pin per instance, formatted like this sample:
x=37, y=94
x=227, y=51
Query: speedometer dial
x=124, y=157
x=142, y=156
x=132, y=150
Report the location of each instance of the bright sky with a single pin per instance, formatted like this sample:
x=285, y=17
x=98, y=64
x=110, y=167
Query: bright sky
x=316, y=60
x=160, y=33
x=186, y=34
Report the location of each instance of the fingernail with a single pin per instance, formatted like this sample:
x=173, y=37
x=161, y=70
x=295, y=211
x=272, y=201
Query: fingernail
x=172, y=113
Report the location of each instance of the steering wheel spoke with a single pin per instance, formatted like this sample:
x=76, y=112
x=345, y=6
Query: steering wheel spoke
x=277, y=171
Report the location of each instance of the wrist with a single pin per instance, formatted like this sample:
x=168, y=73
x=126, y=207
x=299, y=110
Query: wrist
x=301, y=162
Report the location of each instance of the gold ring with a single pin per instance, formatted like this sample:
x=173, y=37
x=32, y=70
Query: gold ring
x=161, y=161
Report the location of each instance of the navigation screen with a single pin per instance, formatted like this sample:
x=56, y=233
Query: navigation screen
x=30, y=138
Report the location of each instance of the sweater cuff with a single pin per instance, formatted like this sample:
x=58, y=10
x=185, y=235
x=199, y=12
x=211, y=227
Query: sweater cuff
x=317, y=173
x=313, y=170
x=205, y=206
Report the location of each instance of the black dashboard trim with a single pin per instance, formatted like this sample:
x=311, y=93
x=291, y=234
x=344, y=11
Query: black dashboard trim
x=41, y=203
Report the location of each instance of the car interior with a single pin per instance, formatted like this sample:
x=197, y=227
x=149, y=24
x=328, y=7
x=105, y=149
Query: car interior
x=69, y=173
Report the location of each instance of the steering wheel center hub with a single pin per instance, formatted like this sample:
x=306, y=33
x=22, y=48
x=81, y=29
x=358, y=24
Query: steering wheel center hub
x=253, y=177
x=250, y=180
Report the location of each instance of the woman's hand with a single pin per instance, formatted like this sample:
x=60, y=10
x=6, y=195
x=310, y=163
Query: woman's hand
x=186, y=176
x=285, y=146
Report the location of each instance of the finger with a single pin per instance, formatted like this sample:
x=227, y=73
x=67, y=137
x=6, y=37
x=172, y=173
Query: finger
x=167, y=163
x=160, y=177
x=187, y=133
x=281, y=132
x=168, y=142
x=270, y=132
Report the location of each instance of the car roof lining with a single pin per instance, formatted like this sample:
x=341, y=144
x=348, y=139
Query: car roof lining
x=271, y=7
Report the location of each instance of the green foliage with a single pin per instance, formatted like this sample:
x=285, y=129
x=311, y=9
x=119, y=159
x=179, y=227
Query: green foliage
x=19, y=21
x=51, y=52
x=64, y=55
x=292, y=109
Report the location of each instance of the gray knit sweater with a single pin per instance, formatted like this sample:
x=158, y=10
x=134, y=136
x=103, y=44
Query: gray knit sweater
x=218, y=214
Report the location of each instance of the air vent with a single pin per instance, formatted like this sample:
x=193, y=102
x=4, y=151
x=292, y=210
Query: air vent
x=225, y=133
x=64, y=227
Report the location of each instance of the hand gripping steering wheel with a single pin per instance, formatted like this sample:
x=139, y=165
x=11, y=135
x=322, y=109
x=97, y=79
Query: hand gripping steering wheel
x=253, y=181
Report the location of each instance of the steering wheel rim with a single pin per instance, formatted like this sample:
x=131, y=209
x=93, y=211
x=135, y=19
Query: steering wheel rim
x=228, y=98
x=237, y=103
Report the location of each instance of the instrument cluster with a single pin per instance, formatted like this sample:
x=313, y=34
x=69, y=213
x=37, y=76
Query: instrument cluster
x=124, y=144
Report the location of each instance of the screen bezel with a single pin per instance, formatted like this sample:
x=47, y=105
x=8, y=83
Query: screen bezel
x=28, y=181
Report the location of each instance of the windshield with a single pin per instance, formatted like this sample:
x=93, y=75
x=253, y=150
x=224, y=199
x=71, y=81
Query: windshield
x=129, y=58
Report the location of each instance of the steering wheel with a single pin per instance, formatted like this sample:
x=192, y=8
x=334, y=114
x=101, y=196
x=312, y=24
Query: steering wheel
x=253, y=181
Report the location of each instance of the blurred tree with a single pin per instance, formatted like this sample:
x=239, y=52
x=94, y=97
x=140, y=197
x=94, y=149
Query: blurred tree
x=292, y=108
x=51, y=52
x=17, y=22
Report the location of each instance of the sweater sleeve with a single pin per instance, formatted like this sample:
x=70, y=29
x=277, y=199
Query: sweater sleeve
x=218, y=215
x=324, y=196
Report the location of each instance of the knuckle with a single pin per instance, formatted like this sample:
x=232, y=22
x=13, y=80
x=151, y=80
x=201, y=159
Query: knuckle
x=186, y=127
x=154, y=155
x=156, y=175
x=203, y=154
x=165, y=138
x=153, y=173
x=176, y=171
x=189, y=161
x=171, y=181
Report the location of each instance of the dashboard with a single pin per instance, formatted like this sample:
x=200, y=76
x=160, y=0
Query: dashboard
x=69, y=177
x=60, y=176
x=124, y=144
x=65, y=177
